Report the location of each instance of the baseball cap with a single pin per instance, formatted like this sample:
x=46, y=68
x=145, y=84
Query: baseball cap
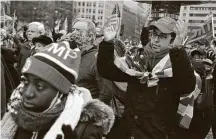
x=164, y=24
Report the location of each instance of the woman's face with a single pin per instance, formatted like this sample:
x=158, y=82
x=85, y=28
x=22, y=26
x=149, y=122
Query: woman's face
x=37, y=94
x=38, y=46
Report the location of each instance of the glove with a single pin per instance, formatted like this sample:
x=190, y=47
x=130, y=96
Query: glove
x=210, y=54
x=68, y=133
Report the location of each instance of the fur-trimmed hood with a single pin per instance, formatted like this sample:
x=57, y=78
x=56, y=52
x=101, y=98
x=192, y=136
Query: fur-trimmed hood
x=99, y=113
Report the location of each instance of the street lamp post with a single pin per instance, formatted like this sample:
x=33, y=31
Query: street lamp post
x=55, y=17
x=34, y=12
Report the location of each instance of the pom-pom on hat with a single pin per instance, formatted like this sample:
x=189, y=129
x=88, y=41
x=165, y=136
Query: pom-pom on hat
x=56, y=64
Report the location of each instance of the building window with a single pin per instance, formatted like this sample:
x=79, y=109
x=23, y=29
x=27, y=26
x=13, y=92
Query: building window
x=74, y=10
x=192, y=8
x=79, y=3
x=196, y=21
x=89, y=10
x=83, y=10
x=78, y=10
x=196, y=15
x=83, y=3
x=82, y=16
x=94, y=4
x=101, y=5
x=93, y=10
x=185, y=8
x=184, y=14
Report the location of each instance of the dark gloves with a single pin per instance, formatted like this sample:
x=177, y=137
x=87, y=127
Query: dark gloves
x=68, y=133
x=210, y=54
x=198, y=67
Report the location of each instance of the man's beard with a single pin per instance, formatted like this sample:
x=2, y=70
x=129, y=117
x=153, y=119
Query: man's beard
x=76, y=38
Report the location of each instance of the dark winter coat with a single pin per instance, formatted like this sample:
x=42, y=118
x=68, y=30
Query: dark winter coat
x=3, y=91
x=95, y=120
x=25, y=52
x=11, y=76
x=214, y=82
x=89, y=77
x=150, y=112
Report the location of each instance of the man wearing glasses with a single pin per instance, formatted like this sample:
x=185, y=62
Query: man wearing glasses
x=151, y=100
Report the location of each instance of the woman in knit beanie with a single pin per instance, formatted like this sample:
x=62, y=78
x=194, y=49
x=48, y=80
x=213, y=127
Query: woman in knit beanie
x=47, y=104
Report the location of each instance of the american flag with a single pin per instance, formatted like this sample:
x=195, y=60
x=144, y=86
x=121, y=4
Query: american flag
x=116, y=10
x=114, y=19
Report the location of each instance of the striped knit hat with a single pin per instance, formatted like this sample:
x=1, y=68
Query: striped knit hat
x=56, y=64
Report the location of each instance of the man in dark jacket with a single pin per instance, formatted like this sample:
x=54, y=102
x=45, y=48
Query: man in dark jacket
x=150, y=112
x=214, y=99
x=47, y=101
x=88, y=73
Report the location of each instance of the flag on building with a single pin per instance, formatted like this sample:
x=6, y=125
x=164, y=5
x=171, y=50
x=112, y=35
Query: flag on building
x=205, y=32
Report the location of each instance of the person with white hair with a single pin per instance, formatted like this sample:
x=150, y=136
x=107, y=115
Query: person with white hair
x=35, y=29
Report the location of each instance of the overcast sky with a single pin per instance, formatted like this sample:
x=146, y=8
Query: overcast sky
x=131, y=4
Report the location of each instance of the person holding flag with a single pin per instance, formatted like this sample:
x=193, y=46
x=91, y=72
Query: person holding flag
x=152, y=96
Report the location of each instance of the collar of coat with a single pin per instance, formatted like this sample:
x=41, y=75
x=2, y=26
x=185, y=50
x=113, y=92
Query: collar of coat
x=99, y=113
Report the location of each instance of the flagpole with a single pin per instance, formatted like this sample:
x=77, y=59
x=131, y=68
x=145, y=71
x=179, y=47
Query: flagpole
x=213, y=25
x=14, y=22
x=4, y=17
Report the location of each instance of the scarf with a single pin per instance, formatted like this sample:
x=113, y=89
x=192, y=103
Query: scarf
x=67, y=111
x=163, y=69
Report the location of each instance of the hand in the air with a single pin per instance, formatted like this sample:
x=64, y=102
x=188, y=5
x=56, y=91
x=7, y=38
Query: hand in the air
x=110, y=31
x=180, y=31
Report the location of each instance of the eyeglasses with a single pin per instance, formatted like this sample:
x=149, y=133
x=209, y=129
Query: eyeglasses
x=160, y=36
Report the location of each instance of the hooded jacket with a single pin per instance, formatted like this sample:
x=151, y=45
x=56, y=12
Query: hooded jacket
x=96, y=120
x=150, y=112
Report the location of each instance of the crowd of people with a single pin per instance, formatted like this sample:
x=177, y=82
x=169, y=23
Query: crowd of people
x=84, y=85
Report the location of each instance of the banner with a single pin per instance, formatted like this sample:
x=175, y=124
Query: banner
x=205, y=32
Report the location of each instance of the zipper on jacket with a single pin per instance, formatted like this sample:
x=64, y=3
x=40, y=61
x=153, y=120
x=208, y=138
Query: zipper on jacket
x=35, y=135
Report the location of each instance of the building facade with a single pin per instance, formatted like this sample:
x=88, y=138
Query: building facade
x=128, y=20
x=98, y=10
x=134, y=16
x=5, y=7
x=195, y=15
